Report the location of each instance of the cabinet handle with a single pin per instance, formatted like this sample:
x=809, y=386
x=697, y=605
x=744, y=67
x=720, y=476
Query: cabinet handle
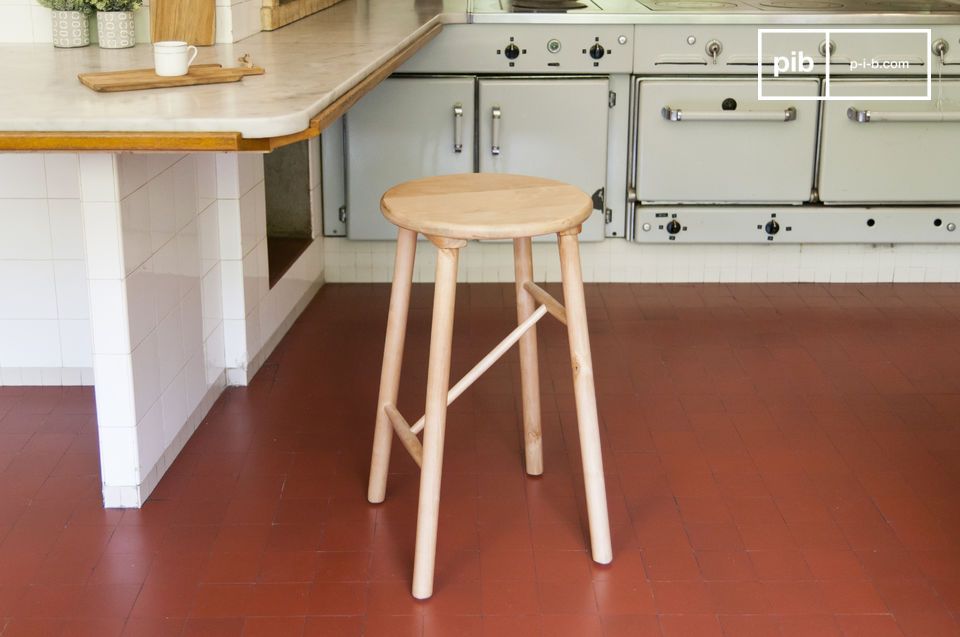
x=679, y=115
x=458, y=127
x=495, y=131
x=868, y=116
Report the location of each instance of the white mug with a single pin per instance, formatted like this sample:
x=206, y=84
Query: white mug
x=171, y=59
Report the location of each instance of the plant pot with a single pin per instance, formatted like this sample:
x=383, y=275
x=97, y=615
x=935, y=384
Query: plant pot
x=70, y=29
x=115, y=29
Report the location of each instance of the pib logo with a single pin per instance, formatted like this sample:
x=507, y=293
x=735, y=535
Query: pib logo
x=796, y=62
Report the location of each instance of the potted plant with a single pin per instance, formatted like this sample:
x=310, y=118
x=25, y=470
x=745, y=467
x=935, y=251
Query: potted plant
x=69, y=19
x=115, y=28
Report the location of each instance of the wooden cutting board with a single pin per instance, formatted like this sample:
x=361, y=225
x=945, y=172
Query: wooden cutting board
x=190, y=21
x=139, y=79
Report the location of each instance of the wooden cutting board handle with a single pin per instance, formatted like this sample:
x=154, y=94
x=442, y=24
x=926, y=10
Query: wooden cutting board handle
x=190, y=21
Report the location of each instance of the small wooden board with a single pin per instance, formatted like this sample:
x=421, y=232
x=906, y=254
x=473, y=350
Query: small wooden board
x=139, y=79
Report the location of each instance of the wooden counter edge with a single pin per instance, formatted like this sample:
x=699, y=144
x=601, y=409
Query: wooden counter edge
x=41, y=141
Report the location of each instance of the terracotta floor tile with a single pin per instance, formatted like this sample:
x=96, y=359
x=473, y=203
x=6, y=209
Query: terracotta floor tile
x=809, y=626
x=868, y=626
x=452, y=626
x=393, y=626
x=511, y=625
x=682, y=597
x=333, y=627
x=726, y=565
x=780, y=565
x=222, y=600
x=749, y=625
x=567, y=597
x=337, y=598
x=667, y=564
x=571, y=625
x=690, y=625
x=273, y=627
x=206, y=627
x=153, y=627
x=852, y=598
x=510, y=597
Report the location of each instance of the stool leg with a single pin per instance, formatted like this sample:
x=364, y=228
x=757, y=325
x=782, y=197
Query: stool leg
x=585, y=396
x=529, y=366
x=392, y=361
x=438, y=382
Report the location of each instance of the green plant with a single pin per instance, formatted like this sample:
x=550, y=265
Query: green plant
x=67, y=5
x=115, y=5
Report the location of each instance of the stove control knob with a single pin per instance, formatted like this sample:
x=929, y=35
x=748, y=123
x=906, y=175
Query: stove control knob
x=512, y=52
x=824, y=47
x=674, y=227
x=940, y=48
x=596, y=51
x=713, y=49
x=772, y=227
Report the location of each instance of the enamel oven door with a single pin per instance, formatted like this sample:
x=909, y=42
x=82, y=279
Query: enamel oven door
x=404, y=129
x=889, y=151
x=713, y=141
x=551, y=127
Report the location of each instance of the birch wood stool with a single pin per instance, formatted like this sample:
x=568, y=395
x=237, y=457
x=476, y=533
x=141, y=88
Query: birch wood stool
x=449, y=210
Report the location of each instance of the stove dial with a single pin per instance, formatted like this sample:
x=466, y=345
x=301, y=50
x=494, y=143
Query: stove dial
x=674, y=227
x=553, y=45
x=772, y=227
x=951, y=227
x=646, y=227
x=596, y=51
x=512, y=52
x=940, y=48
x=622, y=39
x=713, y=49
x=691, y=40
x=823, y=48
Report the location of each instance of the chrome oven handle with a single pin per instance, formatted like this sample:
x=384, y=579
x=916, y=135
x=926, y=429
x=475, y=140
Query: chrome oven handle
x=458, y=127
x=495, y=131
x=865, y=116
x=788, y=114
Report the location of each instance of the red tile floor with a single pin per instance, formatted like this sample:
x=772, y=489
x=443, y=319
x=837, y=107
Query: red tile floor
x=781, y=460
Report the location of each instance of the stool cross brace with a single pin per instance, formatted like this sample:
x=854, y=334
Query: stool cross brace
x=408, y=434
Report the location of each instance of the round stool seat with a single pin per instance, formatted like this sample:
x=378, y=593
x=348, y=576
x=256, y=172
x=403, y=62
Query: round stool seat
x=486, y=206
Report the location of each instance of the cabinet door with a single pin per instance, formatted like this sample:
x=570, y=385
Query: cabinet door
x=714, y=141
x=553, y=128
x=890, y=151
x=404, y=129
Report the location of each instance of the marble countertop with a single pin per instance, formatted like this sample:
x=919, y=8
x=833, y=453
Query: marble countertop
x=309, y=64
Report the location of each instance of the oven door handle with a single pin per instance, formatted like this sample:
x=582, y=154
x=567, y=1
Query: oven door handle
x=458, y=127
x=495, y=116
x=788, y=114
x=866, y=116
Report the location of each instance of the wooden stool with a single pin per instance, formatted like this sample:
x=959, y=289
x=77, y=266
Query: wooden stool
x=449, y=210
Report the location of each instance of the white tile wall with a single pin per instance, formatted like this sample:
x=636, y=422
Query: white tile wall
x=43, y=287
x=616, y=260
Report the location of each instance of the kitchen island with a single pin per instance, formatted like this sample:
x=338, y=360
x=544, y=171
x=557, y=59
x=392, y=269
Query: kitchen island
x=147, y=271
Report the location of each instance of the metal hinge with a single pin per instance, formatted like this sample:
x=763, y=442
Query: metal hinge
x=342, y=214
x=612, y=99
